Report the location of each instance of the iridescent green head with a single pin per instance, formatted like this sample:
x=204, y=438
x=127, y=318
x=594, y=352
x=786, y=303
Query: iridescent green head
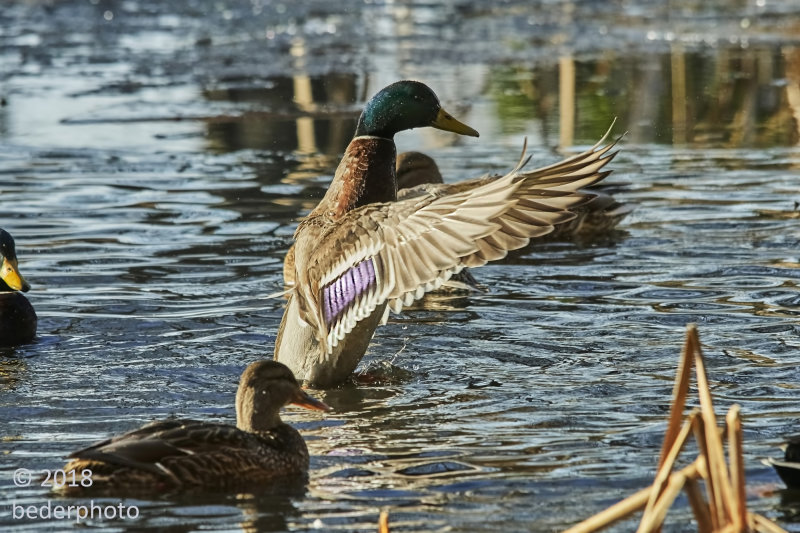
x=12, y=280
x=404, y=105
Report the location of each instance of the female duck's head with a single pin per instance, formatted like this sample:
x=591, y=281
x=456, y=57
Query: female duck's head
x=12, y=280
x=265, y=387
x=404, y=105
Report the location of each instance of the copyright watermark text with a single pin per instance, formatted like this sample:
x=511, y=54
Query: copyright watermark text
x=23, y=477
x=62, y=510
x=78, y=513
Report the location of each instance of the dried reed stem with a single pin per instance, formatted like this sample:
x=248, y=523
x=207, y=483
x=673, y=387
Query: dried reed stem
x=760, y=524
x=626, y=507
x=679, y=393
x=699, y=506
x=383, y=522
x=718, y=472
x=726, y=510
x=733, y=420
x=664, y=471
x=653, y=520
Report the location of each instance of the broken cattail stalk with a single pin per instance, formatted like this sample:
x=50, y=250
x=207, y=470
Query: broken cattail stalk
x=668, y=462
x=626, y=507
x=699, y=506
x=725, y=511
x=679, y=393
x=718, y=472
x=733, y=421
x=653, y=520
x=383, y=522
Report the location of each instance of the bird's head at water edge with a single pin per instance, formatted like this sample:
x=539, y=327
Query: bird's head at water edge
x=416, y=168
x=12, y=280
x=265, y=387
x=404, y=105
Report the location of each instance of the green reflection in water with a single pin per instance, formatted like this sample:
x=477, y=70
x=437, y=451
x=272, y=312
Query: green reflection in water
x=729, y=97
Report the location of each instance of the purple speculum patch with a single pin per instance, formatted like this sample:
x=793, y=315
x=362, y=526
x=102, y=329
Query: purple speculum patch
x=344, y=290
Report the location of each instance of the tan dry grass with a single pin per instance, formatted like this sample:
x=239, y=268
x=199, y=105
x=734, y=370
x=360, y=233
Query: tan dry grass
x=725, y=509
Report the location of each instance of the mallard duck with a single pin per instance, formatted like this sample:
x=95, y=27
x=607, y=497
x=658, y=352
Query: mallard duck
x=183, y=454
x=789, y=468
x=17, y=317
x=418, y=173
x=360, y=252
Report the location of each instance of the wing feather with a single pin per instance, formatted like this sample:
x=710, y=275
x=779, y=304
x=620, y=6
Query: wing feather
x=414, y=245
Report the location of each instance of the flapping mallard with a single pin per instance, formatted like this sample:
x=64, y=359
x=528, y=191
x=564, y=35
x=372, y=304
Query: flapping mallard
x=360, y=252
x=190, y=454
x=418, y=173
x=17, y=317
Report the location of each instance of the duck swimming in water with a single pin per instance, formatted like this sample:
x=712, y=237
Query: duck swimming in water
x=788, y=469
x=17, y=317
x=360, y=252
x=184, y=454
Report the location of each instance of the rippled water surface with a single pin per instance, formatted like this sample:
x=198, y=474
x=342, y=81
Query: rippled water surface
x=155, y=158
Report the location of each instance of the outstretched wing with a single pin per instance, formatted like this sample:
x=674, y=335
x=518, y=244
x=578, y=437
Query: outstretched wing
x=545, y=198
x=394, y=253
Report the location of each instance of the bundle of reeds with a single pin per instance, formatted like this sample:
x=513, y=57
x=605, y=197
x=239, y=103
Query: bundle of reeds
x=723, y=509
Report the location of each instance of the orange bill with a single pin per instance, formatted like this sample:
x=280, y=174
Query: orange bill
x=303, y=399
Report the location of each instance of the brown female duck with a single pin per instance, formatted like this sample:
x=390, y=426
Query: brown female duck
x=360, y=252
x=17, y=317
x=184, y=454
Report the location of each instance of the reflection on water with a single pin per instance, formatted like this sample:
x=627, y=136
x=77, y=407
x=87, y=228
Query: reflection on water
x=322, y=108
x=733, y=97
x=153, y=167
x=11, y=369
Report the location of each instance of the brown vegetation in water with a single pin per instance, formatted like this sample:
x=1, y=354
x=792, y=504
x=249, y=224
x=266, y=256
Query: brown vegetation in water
x=723, y=507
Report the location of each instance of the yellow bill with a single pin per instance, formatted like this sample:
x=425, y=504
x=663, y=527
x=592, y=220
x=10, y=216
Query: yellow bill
x=11, y=276
x=445, y=121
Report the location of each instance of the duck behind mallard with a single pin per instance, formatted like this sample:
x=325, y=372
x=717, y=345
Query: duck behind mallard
x=17, y=318
x=184, y=454
x=360, y=253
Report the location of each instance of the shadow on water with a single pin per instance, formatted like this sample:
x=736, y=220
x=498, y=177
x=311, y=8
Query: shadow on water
x=155, y=158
